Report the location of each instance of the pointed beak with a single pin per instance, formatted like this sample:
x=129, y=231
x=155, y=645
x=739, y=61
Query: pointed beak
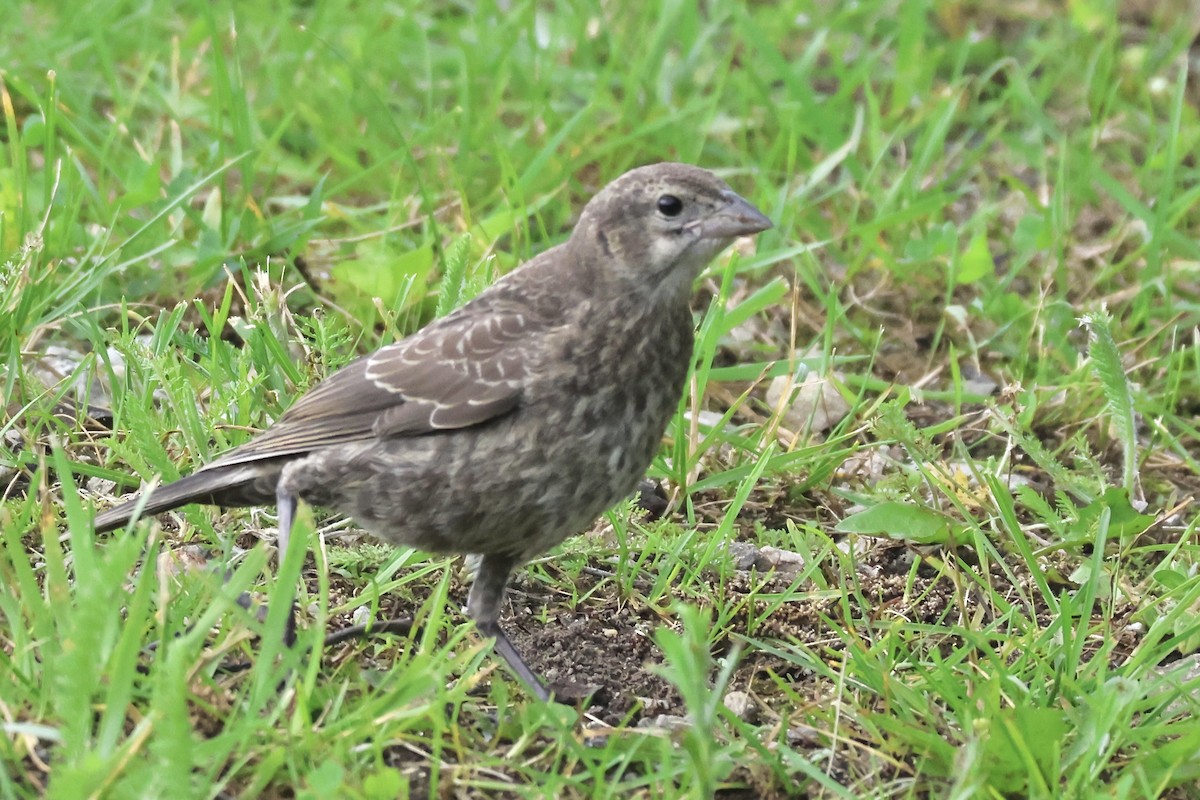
x=738, y=218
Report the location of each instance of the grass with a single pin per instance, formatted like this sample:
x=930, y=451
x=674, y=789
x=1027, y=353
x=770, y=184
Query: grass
x=986, y=241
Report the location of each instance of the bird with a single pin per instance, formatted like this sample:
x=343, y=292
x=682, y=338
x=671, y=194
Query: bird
x=514, y=421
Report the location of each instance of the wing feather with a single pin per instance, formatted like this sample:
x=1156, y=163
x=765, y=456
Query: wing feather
x=462, y=370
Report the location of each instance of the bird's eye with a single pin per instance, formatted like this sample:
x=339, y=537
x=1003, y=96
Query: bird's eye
x=669, y=205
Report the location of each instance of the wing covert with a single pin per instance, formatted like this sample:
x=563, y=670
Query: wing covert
x=462, y=370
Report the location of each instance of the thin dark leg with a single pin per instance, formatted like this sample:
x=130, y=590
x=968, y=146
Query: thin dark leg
x=483, y=605
x=402, y=626
x=286, y=503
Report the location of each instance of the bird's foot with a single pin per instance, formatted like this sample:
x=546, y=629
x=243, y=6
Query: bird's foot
x=508, y=652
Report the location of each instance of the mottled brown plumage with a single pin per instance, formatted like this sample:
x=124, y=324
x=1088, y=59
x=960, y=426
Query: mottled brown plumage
x=513, y=422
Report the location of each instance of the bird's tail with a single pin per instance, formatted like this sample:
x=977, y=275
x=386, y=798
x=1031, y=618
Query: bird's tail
x=235, y=485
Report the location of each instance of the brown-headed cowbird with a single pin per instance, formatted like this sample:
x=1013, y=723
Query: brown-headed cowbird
x=513, y=422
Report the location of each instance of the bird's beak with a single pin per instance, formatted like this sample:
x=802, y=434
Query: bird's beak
x=737, y=218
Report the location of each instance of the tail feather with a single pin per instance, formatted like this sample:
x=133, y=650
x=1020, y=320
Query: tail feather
x=237, y=485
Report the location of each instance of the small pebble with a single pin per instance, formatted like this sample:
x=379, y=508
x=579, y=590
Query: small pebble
x=742, y=705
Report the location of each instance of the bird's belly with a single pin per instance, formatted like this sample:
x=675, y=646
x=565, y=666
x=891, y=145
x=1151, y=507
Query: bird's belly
x=512, y=486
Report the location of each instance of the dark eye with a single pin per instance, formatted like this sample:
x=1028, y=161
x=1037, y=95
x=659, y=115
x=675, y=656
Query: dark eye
x=669, y=205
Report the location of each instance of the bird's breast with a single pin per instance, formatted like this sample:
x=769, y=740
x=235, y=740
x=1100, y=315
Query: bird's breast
x=619, y=358
x=609, y=388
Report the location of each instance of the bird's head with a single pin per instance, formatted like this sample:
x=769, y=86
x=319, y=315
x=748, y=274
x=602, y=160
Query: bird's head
x=660, y=225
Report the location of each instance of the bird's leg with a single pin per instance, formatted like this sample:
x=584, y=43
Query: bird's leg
x=483, y=606
x=286, y=503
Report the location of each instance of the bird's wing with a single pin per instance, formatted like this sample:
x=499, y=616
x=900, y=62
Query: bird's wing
x=460, y=371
